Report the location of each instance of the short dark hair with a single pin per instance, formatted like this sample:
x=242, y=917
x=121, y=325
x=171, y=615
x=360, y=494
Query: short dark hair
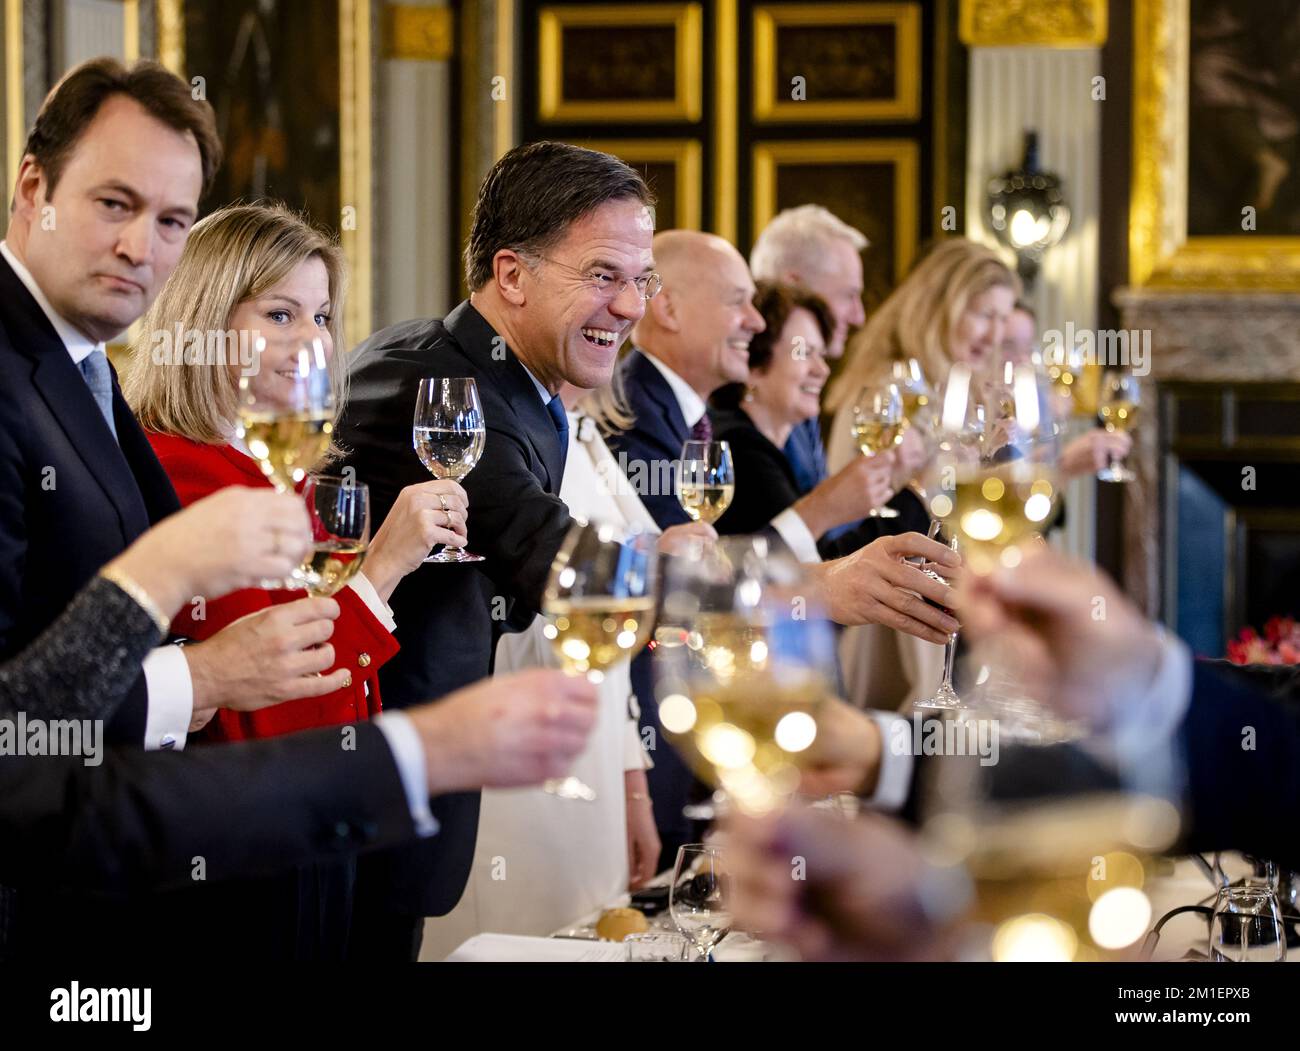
x=75, y=101
x=533, y=194
x=776, y=302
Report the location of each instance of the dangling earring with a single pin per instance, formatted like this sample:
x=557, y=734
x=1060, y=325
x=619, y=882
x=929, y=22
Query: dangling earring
x=749, y=394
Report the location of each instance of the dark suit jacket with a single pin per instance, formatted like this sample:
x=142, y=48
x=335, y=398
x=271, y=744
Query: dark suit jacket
x=654, y=441
x=766, y=486
x=71, y=499
x=138, y=823
x=449, y=617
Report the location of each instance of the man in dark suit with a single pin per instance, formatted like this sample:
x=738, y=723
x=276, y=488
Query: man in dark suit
x=142, y=822
x=560, y=265
x=104, y=198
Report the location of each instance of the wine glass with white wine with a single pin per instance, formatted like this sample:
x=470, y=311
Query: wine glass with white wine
x=741, y=698
x=286, y=417
x=706, y=480
x=600, y=604
x=339, y=509
x=1119, y=409
x=914, y=388
x=878, y=422
x=448, y=433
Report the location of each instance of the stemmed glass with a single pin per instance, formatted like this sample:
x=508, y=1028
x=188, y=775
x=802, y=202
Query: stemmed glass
x=1247, y=926
x=600, y=601
x=287, y=421
x=706, y=480
x=699, y=900
x=1008, y=495
x=946, y=696
x=339, y=509
x=878, y=423
x=449, y=434
x=742, y=697
x=1119, y=411
x=918, y=397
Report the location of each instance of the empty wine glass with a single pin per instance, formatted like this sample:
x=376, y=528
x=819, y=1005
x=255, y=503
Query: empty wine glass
x=699, y=900
x=706, y=480
x=599, y=602
x=449, y=434
x=945, y=697
x=1247, y=926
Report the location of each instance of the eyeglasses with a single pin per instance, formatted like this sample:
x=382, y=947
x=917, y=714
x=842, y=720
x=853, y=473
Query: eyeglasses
x=611, y=285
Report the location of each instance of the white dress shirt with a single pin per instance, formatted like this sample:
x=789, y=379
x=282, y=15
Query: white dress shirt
x=788, y=525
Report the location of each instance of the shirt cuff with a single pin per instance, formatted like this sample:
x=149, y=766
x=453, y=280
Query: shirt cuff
x=170, y=701
x=797, y=535
x=1140, y=741
x=367, y=593
x=408, y=754
x=894, y=782
x=635, y=756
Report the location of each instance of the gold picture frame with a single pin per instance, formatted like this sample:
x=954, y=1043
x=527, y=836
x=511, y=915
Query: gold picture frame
x=357, y=55
x=686, y=21
x=686, y=157
x=903, y=105
x=1161, y=252
x=902, y=154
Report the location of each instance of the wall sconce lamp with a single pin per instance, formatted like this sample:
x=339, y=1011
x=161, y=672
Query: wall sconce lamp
x=1028, y=211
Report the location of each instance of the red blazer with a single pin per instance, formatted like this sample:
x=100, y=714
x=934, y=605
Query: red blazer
x=361, y=643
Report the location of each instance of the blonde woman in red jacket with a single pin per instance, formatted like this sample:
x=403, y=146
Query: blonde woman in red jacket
x=249, y=271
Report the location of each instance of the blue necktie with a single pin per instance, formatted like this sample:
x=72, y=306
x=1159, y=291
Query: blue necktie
x=561, y=420
x=99, y=378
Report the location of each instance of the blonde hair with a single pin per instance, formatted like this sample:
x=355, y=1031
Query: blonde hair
x=237, y=253
x=920, y=316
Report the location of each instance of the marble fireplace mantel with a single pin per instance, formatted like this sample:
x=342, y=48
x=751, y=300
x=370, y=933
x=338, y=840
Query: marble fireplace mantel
x=1203, y=337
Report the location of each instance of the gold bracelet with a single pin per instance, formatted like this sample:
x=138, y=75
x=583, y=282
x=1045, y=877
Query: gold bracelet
x=139, y=596
x=636, y=797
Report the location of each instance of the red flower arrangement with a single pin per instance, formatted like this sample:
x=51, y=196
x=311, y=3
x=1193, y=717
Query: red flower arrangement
x=1280, y=643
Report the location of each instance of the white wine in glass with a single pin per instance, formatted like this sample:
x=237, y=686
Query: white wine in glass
x=918, y=398
x=340, y=518
x=878, y=422
x=448, y=434
x=1119, y=409
x=706, y=480
x=600, y=606
x=287, y=422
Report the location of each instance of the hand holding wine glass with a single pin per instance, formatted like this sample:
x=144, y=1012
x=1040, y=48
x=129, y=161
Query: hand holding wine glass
x=878, y=422
x=449, y=434
x=1119, y=410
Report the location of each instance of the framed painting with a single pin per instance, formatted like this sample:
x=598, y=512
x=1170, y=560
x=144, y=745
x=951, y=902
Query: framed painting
x=837, y=62
x=292, y=97
x=1215, y=201
x=671, y=167
x=650, y=64
x=871, y=184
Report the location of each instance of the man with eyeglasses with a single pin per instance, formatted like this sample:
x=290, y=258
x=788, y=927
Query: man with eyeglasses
x=560, y=266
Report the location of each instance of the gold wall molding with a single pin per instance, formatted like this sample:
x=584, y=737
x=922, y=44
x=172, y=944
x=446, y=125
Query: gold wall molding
x=1161, y=254
x=1033, y=23
x=687, y=21
x=683, y=154
x=905, y=104
x=15, y=119
x=726, y=119
x=418, y=34
x=171, y=35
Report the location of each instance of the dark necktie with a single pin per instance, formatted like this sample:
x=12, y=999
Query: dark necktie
x=561, y=420
x=99, y=378
x=703, y=429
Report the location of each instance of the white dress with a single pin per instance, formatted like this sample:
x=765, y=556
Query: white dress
x=541, y=862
